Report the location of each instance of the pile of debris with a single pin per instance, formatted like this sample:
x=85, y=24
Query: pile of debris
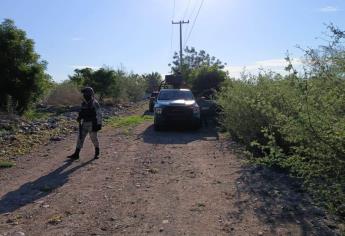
x=57, y=124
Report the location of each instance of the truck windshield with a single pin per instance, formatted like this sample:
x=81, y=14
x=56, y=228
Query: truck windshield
x=175, y=95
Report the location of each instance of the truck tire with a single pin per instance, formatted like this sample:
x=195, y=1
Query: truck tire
x=151, y=108
x=197, y=125
x=156, y=127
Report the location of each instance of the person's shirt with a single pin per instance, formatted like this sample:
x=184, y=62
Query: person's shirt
x=91, y=111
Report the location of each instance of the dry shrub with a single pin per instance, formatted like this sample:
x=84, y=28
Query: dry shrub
x=65, y=94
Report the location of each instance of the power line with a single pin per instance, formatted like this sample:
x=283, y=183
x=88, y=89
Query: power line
x=193, y=9
x=186, y=11
x=196, y=17
x=189, y=7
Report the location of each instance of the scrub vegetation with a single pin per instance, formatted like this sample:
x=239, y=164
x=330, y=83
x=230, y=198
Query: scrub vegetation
x=296, y=122
x=128, y=121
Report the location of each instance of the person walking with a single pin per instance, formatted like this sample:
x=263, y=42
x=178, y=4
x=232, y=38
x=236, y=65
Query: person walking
x=90, y=122
x=204, y=110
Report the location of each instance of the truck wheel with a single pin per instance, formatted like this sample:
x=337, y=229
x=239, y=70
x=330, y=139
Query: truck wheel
x=197, y=125
x=156, y=127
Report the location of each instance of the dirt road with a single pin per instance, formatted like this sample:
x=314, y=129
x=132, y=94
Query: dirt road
x=149, y=183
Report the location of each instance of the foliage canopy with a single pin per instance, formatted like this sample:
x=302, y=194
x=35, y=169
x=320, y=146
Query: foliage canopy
x=22, y=74
x=201, y=71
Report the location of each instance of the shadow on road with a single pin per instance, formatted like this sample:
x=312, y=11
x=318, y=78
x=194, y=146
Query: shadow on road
x=178, y=135
x=278, y=200
x=41, y=187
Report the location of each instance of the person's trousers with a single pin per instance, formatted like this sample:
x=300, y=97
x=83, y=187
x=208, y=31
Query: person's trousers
x=86, y=128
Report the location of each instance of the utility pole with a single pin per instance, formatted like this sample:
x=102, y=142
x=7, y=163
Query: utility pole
x=180, y=23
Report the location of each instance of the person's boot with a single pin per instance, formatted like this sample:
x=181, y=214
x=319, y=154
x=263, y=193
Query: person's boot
x=96, y=153
x=75, y=155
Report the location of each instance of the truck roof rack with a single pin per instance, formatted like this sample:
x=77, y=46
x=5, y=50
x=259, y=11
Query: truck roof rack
x=174, y=81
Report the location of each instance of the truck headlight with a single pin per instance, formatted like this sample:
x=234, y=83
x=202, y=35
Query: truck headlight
x=158, y=110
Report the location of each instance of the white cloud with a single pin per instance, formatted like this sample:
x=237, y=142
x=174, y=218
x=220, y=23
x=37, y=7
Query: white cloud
x=85, y=66
x=329, y=9
x=276, y=65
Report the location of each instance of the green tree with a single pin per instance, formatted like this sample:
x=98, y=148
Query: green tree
x=192, y=59
x=118, y=91
x=82, y=77
x=153, y=81
x=207, y=78
x=107, y=82
x=22, y=75
x=134, y=87
x=103, y=80
x=200, y=70
x=328, y=60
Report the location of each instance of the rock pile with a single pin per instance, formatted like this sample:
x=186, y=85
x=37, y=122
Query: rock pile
x=58, y=122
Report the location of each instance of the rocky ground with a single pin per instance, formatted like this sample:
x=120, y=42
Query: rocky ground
x=175, y=182
x=19, y=135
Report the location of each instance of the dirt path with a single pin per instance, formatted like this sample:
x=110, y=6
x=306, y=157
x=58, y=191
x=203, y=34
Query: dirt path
x=149, y=183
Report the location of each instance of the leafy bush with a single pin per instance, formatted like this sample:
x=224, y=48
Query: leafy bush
x=132, y=87
x=64, y=94
x=296, y=122
x=116, y=84
x=153, y=81
x=200, y=71
x=22, y=75
x=103, y=80
x=206, y=78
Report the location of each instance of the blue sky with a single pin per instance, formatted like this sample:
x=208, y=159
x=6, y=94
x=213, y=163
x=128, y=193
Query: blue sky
x=136, y=34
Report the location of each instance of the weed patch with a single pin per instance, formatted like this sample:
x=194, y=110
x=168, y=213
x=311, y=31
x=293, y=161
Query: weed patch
x=6, y=164
x=35, y=115
x=54, y=220
x=128, y=121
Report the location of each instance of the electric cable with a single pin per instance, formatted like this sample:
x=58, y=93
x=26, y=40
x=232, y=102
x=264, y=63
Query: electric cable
x=195, y=19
